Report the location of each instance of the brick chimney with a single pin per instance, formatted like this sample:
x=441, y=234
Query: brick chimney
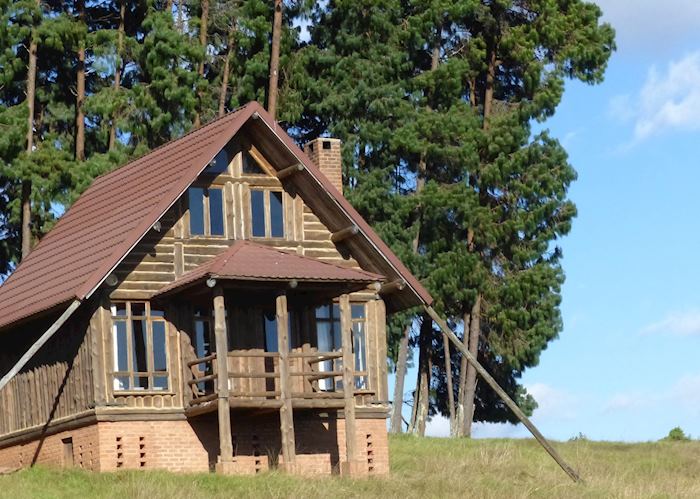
x=325, y=153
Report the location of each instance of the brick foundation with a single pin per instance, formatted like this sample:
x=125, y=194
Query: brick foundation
x=193, y=446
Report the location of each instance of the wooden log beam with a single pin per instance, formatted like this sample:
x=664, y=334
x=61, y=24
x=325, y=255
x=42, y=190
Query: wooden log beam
x=225, y=438
x=502, y=394
x=392, y=287
x=348, y=383
x=289, y=171
x=39, y=343
x=345, y=233
x=286, y=410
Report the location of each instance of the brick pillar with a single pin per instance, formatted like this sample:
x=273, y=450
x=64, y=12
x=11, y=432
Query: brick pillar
x=325, y=153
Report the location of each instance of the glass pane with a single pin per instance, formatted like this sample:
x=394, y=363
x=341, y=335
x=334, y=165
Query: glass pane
x=324, y=332
x=216, y=212
x=139, y=342
x=257, y=213
x=219, y=164
x=323, y=312
x=119, y=309
x=201, y=338
x=358, y=311
x=160, y=382
x=160, y=356
x=358, y=339
x=196, y=204
x=271, y=344
x=141, y=383
x=138, y=309
x=250, y=166
x=121, y=383
x=120, y=352
x=276, y=215
x=157, y=313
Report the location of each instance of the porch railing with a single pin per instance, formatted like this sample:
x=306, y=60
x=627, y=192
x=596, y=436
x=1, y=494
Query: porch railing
x=255, y=375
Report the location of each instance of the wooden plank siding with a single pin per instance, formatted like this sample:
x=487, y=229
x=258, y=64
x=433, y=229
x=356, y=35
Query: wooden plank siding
x=57, y=383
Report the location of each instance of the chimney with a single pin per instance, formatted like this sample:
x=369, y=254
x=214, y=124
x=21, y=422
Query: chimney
x=325, y=153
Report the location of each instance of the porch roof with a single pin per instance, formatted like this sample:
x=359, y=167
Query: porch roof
x=248, y=261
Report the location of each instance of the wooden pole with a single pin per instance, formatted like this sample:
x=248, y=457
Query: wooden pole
x=286, y=414
x=348, y=384
x=502, y=394
x=220, y=335
x=39, y=343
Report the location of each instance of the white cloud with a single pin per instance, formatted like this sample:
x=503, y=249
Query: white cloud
x=651, y=26
x=552, y=403
x=686, y=392
x=626, y=401
x=668, y=101
x=685, y=323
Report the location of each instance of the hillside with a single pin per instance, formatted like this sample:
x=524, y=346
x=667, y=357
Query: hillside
x=421, y=468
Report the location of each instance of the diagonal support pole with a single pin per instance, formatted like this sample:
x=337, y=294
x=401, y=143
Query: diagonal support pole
x=39, y=343
x=503, y=395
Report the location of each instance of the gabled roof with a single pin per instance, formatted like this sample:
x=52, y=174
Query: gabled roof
x=248, y=261
x=119, y=208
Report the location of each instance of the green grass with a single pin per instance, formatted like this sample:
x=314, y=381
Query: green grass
x=420, y=468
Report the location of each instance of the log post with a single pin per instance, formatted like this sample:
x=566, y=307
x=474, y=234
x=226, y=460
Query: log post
x=350, y=466
x=286, y=412
x=225, y=461
x=502, y=394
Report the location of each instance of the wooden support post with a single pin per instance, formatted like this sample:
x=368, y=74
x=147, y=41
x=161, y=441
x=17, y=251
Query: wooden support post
x=286, y=412
x=350, y=467
x=289, y=171
x=225, y=440
x=345, y=233
x=392, y=287
x=502, y=394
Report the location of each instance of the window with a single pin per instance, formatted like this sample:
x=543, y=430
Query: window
x=206, y=207
x=249, y=165
x=266, y=213
x=219, y=164
x=329, y=339
x=140, y=347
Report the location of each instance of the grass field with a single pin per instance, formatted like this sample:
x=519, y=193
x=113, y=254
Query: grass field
x=420, y=468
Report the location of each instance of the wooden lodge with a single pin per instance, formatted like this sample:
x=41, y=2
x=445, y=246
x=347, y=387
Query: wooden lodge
x=213, y=305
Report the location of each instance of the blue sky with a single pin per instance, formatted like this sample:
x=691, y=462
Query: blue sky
x=626, y=366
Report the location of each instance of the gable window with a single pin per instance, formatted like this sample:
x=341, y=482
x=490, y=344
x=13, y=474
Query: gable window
x=266, y=213
x=139, y=347
x=219, y=164
x=249, y=165
x=206, y=206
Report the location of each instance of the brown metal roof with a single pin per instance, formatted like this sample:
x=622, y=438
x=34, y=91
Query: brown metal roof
x=248, y=261
x=119, y=208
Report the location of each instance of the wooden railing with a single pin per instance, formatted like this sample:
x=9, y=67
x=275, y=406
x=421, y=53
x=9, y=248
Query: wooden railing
x=255, y=375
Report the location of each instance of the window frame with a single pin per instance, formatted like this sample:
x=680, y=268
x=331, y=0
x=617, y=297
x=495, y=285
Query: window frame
x=267, y=212
x=206, y=212
x=130, y=373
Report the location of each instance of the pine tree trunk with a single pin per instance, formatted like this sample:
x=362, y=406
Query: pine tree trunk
x=490, y=79
x=180, y=16
x=225, y=75
x=80, y=97
x=422, y=397
x=27, y=184
x=204, y=22
x=470, y=393
x=401, y=365
x=461, y=410
x=273, y=87
x=118, y=72
x=448, y=379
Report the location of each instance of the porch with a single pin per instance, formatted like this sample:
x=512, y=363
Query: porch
x=284, y=341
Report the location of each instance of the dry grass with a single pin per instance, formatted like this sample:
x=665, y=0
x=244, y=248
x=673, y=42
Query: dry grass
x=420, y=468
